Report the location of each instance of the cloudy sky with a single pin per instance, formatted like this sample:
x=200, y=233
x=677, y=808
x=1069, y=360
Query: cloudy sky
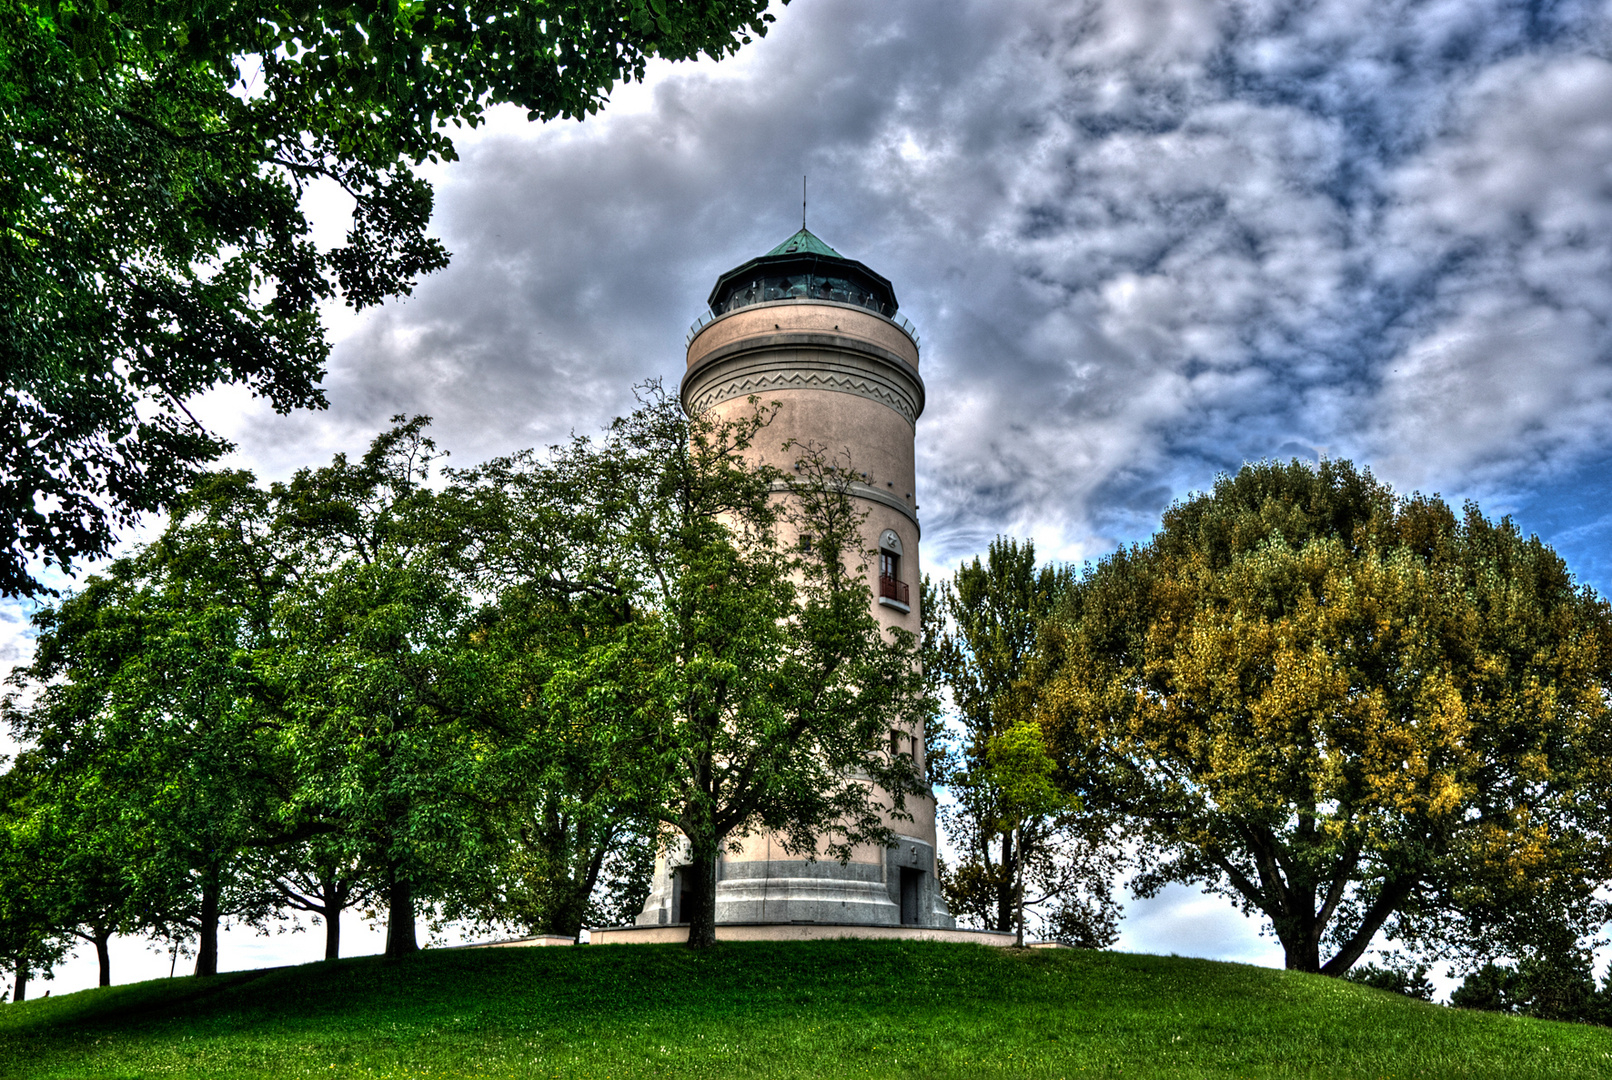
x=1144, y=241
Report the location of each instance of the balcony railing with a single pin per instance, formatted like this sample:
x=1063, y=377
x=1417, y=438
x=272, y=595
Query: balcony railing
x=699, y=324
x=709, y=316
x=891, y=589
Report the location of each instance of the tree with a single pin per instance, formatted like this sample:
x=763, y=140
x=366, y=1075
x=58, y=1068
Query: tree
x=572, y=779
x=151, y=221
x=980, y=650
x=91, y=856
x=571, y=776
x=294, y=694
x=277, y=675
x=30, y=941
x=749, y=677
x=1021, y=772
x=322, y=878
x=1351, y=712
x=379, y=685
x=1551, y=984
x=1396, y=975
x=292, y=699
x=157, y=769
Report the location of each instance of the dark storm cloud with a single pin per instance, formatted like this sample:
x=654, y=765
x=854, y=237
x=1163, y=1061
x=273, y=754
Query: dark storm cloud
x=1143, y=241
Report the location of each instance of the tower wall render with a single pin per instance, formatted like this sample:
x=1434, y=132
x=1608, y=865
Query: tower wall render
x=845, y=379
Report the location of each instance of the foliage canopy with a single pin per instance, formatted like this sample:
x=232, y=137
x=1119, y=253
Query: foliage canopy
x=744, y=683
x=981, y=650
x=491, y=702
x=152, y=174
x=1349, y=711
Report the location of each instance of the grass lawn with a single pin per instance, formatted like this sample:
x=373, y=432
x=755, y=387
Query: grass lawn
x=832, y=1008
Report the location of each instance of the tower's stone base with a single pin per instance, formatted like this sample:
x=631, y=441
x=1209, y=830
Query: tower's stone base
x=898, y=892
x=676, y=935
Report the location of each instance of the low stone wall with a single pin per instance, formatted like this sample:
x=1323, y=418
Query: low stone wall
x=519, y=943
x=658, y=935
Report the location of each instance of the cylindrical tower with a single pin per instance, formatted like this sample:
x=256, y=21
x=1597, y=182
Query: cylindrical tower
x=819, y=334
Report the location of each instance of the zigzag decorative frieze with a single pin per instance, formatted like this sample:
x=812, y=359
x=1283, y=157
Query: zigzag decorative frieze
x=760, y=382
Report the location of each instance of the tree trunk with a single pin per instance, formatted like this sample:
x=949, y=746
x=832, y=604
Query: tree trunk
x=702, y=920
x=334, y=903
x=1018, y=897
x=332, y=936
x=1004, y=888
x=19, y=989
x=207, y=943
x=400, y=939
x=1302, y=952
x=102, y=956
x=566, y=917
x=1393, y=894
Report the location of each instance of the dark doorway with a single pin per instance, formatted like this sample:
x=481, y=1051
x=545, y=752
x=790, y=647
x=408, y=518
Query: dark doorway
x=685, y=894
x=911, y=889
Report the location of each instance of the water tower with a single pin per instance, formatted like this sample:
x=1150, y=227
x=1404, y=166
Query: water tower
x=819, y=334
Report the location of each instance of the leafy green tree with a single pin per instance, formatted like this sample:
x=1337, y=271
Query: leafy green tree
x=1396, y=975
x=1549, y=985
x=157, y=757
x=1553, y=980
x=151, y=224
x=297, y=690
x=750, y=679
x=1021, y=772
x=1488, y=989
x=979, y=647
x=30, y=940
x=625, y=882
x=377, y=652
x=91, y=856
x=572, y=777
x=570, y=774
x=774, y=687
x=377, y=680
x=251, y=684
x=1351, y=712
x=289, y=698
x=321, y=878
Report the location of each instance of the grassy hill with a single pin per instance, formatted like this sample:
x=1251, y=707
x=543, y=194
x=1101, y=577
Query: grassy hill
x=884, y=1009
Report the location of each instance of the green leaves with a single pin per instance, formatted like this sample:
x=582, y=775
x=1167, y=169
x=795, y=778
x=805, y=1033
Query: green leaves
x=1022, y=771
x=1347, y=709
x=736, y=684
x=487, y=700
x=284, y=670
x=1009, y=819
x=151, y=227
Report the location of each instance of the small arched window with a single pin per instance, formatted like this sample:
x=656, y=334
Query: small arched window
x=891, y=587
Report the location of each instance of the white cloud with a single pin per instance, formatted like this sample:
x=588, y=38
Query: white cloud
x=1506, y=222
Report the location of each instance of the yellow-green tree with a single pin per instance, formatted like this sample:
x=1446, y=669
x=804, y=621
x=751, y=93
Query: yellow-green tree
x=980, y=632
x=1349, y=711
x=1021, y=770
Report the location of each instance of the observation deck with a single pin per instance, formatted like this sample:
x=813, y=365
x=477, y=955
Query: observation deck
x=802, y=268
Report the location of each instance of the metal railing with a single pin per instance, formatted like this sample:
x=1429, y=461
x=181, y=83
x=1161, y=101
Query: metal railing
x=699, y=324
x=892, y=589
x=708, y=316
x=906, y=327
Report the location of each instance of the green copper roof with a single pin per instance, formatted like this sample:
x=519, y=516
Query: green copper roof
x=799, y=267
x=803, y=243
